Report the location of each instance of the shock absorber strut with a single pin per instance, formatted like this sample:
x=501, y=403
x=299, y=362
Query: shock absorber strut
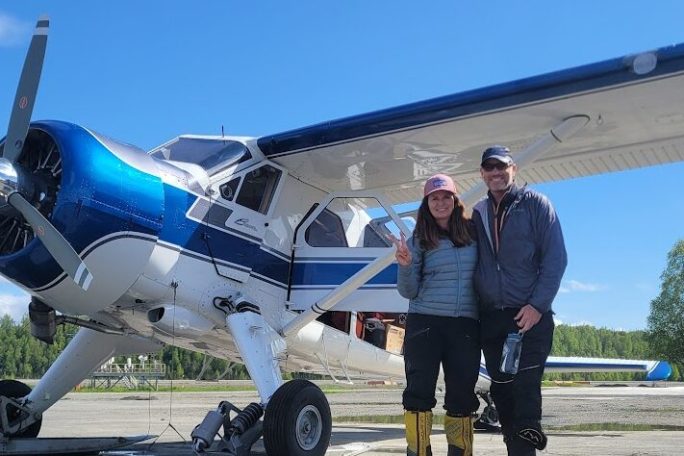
x=239, y=433
x=244, y=420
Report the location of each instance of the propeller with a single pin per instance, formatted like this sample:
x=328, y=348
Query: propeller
x=10, y=190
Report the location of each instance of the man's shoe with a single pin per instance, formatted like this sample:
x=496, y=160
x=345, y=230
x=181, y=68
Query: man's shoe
x=534, y=436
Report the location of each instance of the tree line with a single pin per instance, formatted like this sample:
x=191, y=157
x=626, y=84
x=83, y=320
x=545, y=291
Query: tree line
x=588, y=341
x=22, y=356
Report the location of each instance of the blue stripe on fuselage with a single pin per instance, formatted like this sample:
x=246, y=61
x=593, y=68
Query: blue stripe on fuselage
x=327, y=273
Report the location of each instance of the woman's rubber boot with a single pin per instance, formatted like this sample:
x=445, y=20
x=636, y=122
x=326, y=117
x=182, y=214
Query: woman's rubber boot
x=418, y=427
x=459, y=434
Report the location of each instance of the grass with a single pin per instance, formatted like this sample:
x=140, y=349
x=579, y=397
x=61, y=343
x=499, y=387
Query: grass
x=165, y=389
x=204, y=388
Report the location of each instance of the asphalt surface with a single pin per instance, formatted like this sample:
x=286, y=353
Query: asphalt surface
x=596, y=420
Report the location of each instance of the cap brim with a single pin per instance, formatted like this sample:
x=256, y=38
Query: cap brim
x=500, y=158
x=448, y=190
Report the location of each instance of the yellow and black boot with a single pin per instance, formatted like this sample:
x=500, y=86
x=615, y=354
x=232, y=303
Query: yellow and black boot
x=459, y=434
x=418, y=427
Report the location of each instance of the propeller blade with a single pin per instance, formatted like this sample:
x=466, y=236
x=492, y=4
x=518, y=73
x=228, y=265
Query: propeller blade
x=53, y=240
x=26, y=92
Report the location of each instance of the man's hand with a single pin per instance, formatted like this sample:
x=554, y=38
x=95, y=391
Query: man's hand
x=527, y=318
x=403, y=254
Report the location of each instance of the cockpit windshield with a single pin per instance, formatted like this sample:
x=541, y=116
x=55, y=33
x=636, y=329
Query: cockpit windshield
x=212, y=154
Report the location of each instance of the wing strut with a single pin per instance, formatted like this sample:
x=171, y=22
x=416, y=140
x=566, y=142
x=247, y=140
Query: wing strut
x=342, y=291
x=558, y=134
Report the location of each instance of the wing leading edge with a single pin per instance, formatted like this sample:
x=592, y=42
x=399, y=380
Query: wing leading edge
x=634, y=106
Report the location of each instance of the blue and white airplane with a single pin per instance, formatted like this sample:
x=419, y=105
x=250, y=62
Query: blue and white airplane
x=272, y=251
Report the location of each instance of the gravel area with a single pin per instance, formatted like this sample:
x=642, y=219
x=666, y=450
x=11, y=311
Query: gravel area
x=580, y=420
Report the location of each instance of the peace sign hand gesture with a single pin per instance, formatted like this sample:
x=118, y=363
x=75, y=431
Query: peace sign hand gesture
x=403, y=254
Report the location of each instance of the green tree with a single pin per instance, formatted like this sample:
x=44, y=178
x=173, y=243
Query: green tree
x=666, y=320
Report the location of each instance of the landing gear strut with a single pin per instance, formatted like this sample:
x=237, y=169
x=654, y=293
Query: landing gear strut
x=297, y=419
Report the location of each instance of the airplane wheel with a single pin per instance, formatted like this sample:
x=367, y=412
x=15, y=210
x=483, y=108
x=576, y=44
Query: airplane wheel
x=297, y=421
x=14, y=389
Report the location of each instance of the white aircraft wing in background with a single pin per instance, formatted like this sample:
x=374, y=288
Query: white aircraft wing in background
x=655, y=370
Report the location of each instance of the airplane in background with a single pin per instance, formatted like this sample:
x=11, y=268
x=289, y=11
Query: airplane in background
x=273, y=251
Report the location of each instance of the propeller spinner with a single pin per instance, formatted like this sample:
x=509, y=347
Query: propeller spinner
x=10, y=190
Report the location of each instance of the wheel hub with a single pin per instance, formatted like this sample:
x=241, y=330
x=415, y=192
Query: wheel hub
x=309, y=427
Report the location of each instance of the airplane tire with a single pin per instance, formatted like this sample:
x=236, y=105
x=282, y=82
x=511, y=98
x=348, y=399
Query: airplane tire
x=14, y=389
x=297, y=421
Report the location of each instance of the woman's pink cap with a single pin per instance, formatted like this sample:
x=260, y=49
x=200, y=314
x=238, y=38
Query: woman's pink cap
x=439, y=182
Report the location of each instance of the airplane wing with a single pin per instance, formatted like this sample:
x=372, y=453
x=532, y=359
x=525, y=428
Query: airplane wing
x=655, y=370
x=633, y=107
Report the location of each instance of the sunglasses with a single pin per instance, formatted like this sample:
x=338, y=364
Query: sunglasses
x=495, y=165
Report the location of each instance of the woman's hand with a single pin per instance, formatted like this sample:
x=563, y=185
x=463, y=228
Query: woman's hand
x=403, y=254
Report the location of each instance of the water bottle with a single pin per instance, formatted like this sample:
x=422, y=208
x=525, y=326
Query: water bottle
x=510, y=356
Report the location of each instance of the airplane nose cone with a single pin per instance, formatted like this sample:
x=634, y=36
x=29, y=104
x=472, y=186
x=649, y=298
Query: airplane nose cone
x=8, y=180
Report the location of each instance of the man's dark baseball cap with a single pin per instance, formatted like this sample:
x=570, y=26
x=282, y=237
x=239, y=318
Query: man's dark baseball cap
x=500, y=153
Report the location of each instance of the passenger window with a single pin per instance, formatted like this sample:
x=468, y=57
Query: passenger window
x=326, y=231
x=258, y=188
x=372, y=237
x=229, y=189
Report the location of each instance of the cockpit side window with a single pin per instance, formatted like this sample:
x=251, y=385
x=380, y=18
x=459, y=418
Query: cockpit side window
x=258, y=188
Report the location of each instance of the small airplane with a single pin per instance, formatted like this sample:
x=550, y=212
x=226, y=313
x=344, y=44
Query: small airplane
x=273, y=251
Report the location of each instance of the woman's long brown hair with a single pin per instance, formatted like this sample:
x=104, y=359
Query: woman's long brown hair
x=428, y=232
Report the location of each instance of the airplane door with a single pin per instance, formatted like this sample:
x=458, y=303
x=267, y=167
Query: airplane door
x=342, y=235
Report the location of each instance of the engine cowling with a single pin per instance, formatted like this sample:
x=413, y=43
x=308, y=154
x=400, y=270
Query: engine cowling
x=106, y=199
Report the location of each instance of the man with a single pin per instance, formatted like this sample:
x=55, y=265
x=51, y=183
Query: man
x=521, y=262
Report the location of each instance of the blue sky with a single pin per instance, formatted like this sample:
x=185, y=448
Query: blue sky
x=146, y=71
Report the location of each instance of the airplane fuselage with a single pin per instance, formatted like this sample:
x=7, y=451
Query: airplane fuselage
x=165, y=242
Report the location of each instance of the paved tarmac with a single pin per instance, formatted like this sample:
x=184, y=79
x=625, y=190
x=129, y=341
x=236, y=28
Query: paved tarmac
x=580, y=421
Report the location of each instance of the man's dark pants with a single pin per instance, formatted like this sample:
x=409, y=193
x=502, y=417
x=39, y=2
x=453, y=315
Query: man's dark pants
x=517, y=397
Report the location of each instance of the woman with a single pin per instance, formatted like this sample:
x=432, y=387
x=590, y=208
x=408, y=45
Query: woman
x=435, y=273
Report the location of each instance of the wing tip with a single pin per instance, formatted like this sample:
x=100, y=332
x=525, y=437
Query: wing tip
x=660, y=371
